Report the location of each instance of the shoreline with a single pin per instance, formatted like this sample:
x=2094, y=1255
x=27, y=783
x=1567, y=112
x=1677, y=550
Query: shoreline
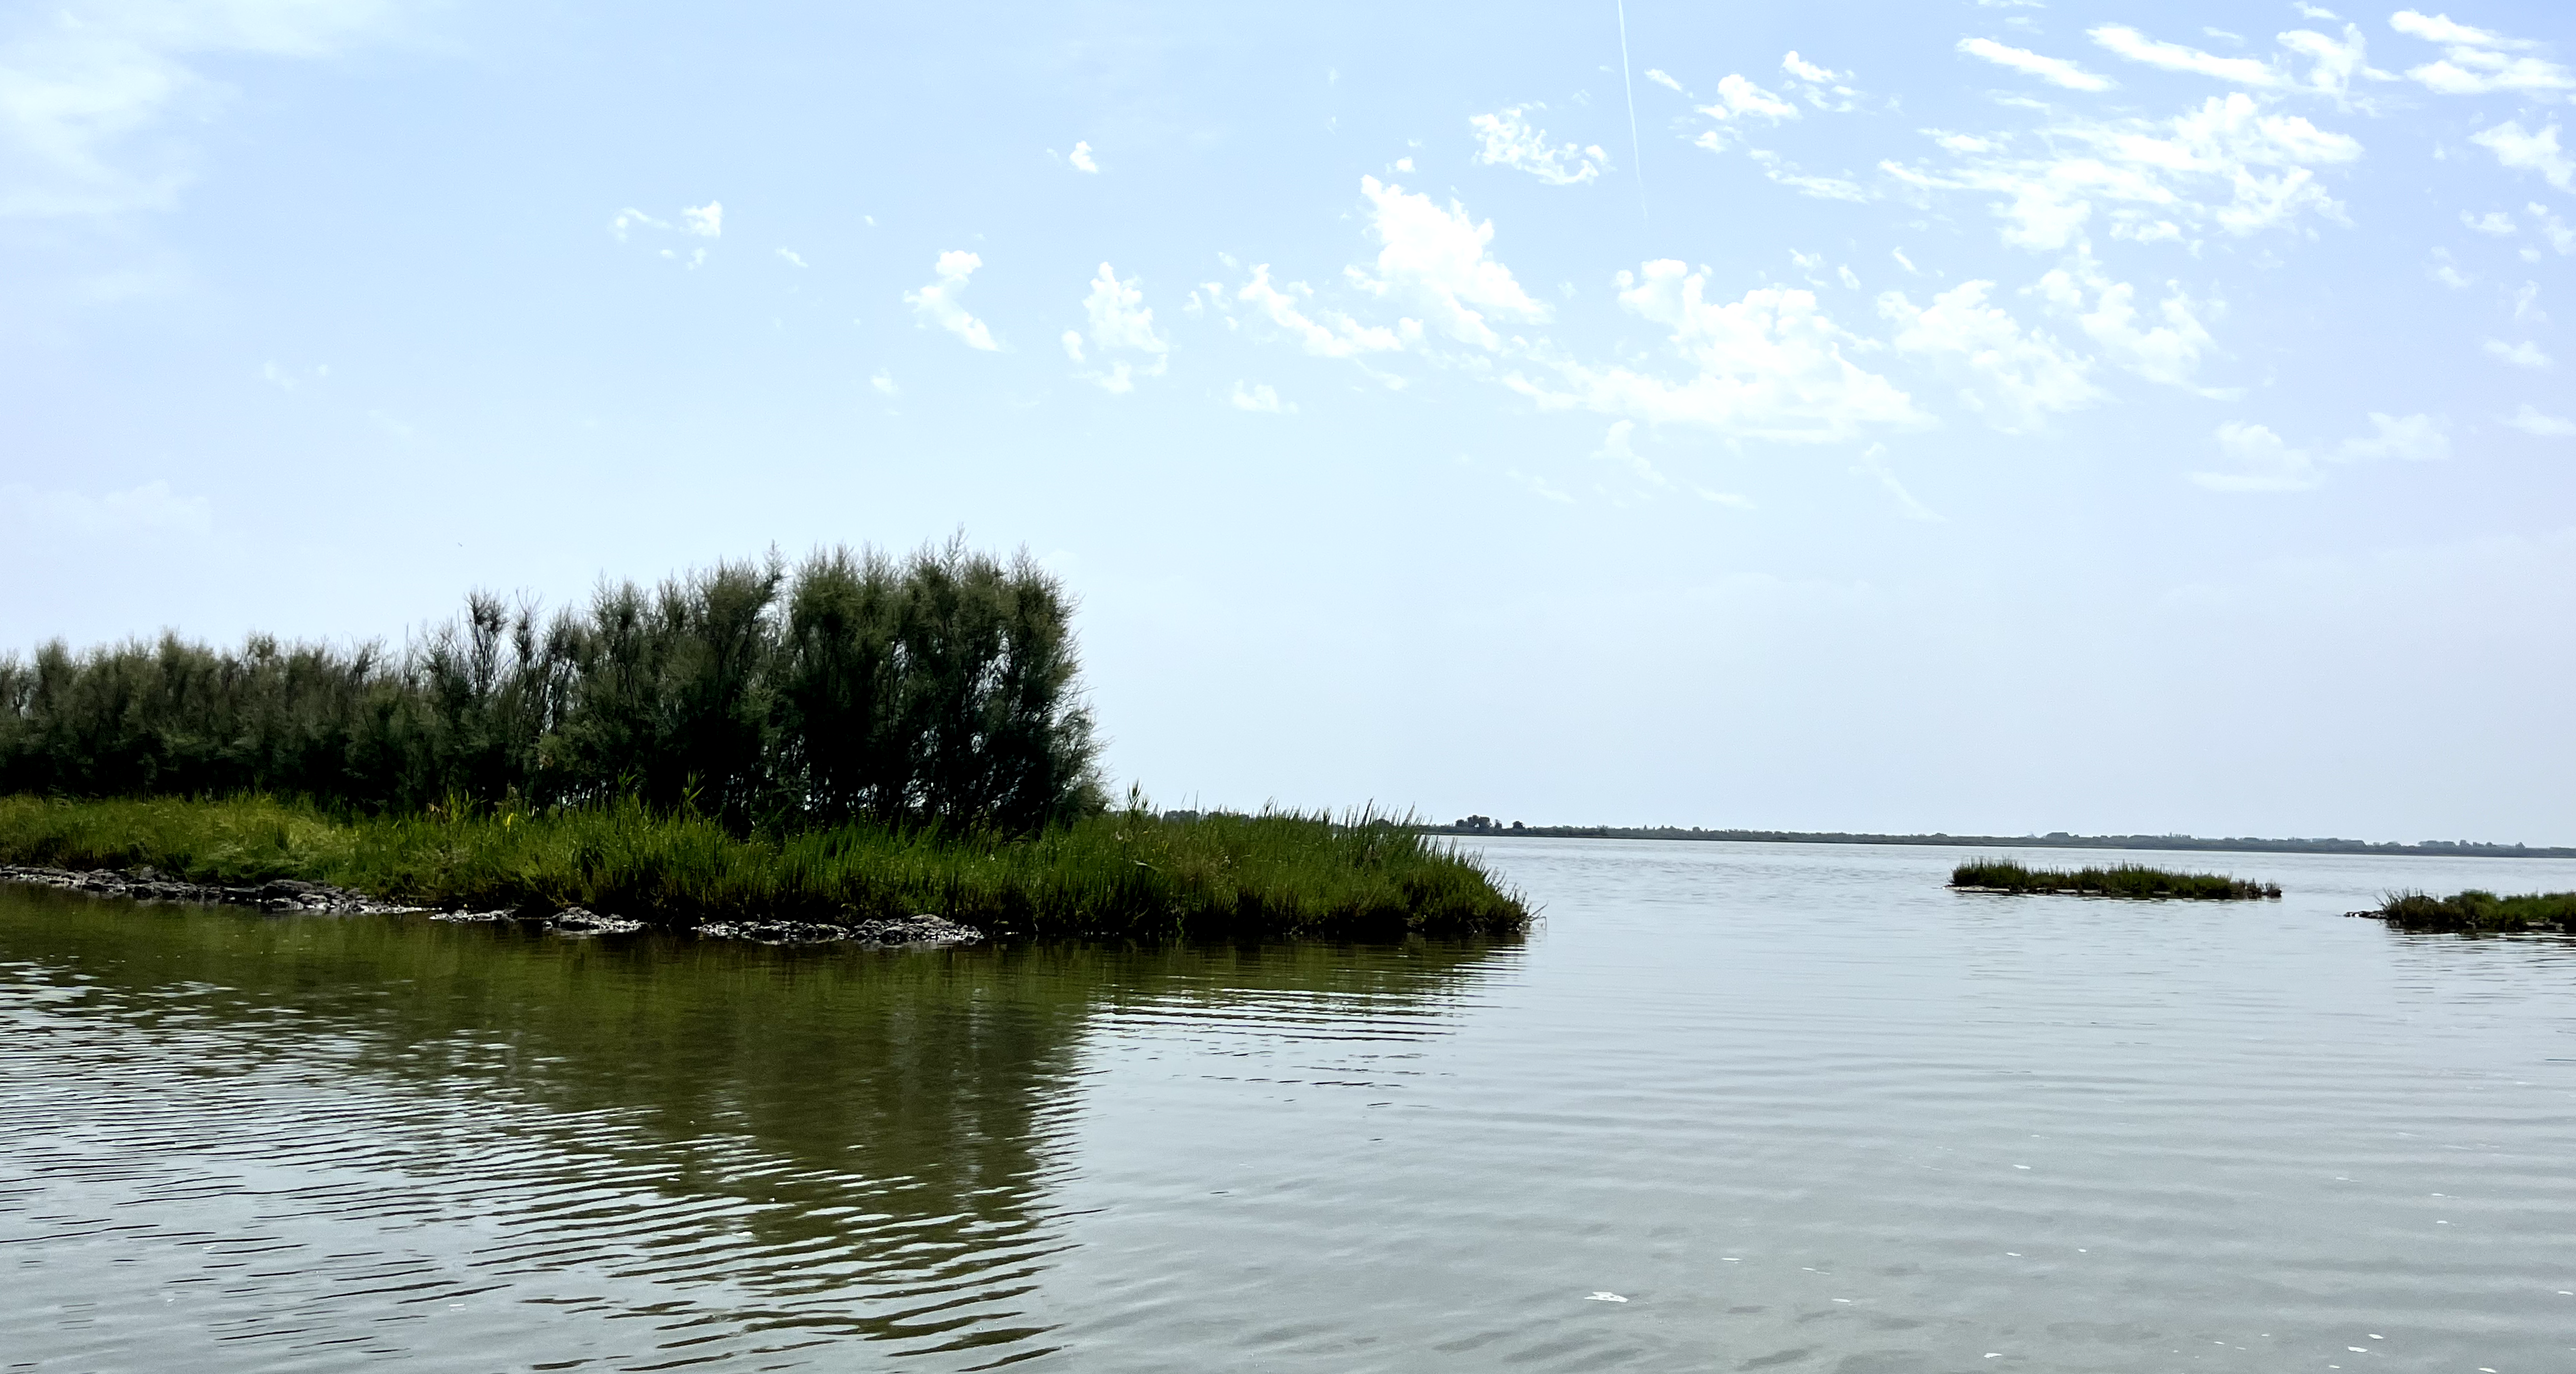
x=2422, y=849
x=297, y=897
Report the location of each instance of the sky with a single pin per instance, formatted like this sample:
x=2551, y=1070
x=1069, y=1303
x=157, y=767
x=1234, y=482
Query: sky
x=1989, y=417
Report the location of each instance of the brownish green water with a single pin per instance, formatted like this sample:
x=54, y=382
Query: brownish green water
x=1801, y=1107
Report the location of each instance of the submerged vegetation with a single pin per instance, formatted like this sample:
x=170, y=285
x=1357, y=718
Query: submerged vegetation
x=2120, y=880
x=855, y=738
x=1126, y=873
x=2479, y=912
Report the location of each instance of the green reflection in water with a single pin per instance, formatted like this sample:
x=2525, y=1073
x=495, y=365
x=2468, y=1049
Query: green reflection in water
x=832, y=1142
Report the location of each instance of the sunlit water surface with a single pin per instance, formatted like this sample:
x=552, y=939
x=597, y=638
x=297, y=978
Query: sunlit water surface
x=1798, y=1106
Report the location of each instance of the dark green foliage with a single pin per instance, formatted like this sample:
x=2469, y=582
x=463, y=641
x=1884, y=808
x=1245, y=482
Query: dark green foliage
x=939, y=690
x=2120, y=880
x=1121, y=873
x=2480, y=912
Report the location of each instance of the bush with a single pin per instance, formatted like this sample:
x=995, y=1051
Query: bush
x=939, y=690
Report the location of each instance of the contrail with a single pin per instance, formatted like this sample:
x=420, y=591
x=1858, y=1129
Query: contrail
x=1636, y=158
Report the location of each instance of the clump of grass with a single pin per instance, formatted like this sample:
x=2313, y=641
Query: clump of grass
x=1127, y=873
x=2120, y=880
x=2479, y=912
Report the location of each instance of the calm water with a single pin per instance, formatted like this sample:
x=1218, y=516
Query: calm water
x=1799, y=1106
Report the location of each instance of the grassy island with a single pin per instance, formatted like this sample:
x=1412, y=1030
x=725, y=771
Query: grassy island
x=1123, y=873
x=855, y=737
x=2120, y=880
x=2482, y=913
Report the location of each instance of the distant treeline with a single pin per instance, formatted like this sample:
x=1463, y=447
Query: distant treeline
x=2053, y=840
x=941, y=688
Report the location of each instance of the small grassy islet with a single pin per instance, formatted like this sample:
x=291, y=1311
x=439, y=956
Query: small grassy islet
x=1125, y=873
x=2477, y=912
x=2119, y=880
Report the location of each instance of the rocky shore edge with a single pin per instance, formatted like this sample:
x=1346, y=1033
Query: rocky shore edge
x=294, y=895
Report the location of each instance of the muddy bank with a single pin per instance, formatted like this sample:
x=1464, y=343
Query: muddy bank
x=293, y=895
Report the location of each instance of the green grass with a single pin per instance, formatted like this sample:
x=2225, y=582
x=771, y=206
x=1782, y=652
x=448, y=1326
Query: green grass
x=2480, y=912
x=1122, y=874
x=2120, y=880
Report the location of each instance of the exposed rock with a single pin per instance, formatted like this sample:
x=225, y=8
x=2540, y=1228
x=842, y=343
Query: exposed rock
x=283, y=895
x=146, y=884
x=924, y=929
x=573, y=920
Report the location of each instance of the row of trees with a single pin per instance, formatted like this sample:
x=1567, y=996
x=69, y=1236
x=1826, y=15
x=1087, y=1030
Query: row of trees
x=940, y=688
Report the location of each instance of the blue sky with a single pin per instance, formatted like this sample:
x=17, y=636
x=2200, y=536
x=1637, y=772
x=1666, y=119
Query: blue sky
x=1970, y=417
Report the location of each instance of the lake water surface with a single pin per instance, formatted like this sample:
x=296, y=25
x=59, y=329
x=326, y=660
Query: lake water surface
x=1799, y=1106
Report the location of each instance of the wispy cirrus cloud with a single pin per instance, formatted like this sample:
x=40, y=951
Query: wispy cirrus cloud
x=95, y=95
x=2056, y=71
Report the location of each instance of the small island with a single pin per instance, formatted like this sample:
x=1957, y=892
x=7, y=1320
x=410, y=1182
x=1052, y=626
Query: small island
x=857, y=747
x=2119, y=880
x=2479, y=913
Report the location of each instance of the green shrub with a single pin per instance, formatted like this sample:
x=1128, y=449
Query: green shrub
x=938, y=690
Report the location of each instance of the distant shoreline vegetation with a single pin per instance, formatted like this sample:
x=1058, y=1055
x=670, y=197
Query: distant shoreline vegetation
x=852, y=736
x=1486, y=826
x=2121, y=880
x=2479, y=913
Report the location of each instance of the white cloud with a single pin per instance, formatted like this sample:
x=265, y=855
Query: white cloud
x=89, y=91
x=1739, y=99
x=1119, y=316
x=1539, y=487
x=937, y=303
x=1822, y=188
x=2554, y=229
x=2415, y=438
x=629, y=218
x=2495, y=222
x=1804, y=70
x=2174, y=57
x=2523, y=151
x=1082, y=160
x=148, y=509
x=2475, y=61
x=2440, y=29
x=1120, y=322
x=791, y=257
x=2264, y=462
x=1661, y=79
x=2056, y=71
x=1873, y=463
x=1618, y=449
x=2019, y=377
x=706, y=221
x=2333, y=64
x=2526, y=304
x=2447, y=271
x=1261, y=398
x=2168, y=352
x=2524, y=354
x=2227, y=164
x=884, y=383
x=1768, y=366
x=1435, y=261
x=1512, y=141
x=1326, y=333
x=2531, y=420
